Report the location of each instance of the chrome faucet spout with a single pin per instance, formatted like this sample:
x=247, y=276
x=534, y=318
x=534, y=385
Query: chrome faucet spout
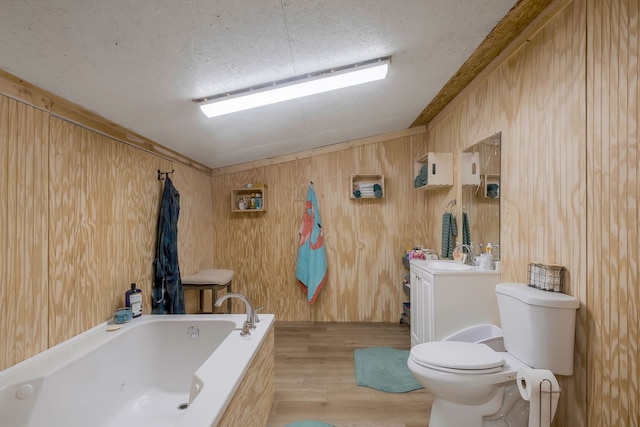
x=470, y=256
x=249, y=308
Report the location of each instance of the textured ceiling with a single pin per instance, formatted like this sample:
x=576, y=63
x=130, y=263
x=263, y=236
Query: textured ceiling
x=139, y=63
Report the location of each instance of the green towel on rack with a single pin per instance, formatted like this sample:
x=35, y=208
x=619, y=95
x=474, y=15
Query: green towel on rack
x=454, y=226
x=466, y=231
x=449, y=230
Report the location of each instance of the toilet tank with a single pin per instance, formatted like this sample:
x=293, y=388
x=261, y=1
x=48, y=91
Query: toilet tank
x=538, y=326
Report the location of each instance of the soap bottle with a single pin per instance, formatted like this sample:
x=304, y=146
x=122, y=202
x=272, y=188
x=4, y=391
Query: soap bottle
x=258, y=200
x=133, y=299
x=486, y=259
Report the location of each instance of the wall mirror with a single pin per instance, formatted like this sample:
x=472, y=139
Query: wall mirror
x=481, y=193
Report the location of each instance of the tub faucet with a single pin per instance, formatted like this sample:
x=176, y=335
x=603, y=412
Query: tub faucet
x=471, y=260
x=251, y=315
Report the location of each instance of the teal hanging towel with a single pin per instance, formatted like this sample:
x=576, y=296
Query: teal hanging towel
x=311, y=270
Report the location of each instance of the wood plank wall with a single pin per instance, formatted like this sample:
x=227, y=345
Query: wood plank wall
x=536, y=98
x=365, y=239
x=567, y=106
x=612, y=249
x=23, y=231
x=79, y=225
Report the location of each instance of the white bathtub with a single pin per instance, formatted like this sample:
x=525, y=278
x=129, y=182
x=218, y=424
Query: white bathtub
x=143, y=374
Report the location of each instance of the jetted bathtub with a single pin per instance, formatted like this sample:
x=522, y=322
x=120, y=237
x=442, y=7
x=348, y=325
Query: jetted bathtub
x=161, y=370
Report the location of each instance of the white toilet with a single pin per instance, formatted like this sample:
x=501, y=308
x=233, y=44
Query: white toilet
x=468, y=380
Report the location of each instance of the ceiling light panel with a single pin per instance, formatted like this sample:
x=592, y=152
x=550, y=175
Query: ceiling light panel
x=297, y=87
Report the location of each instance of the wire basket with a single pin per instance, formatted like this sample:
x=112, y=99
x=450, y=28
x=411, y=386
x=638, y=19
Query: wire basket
x=546, y=277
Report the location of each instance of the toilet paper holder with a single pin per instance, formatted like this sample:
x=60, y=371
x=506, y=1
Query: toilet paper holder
x=548, y=388
x=550, y=401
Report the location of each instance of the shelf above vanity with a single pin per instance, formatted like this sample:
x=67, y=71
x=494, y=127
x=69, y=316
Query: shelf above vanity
x=439, y=171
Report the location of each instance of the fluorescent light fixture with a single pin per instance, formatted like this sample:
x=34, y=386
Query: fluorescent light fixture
x=296, y=87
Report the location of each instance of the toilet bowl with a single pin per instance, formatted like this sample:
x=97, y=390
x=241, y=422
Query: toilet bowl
x=467, y=380
x=473, y=384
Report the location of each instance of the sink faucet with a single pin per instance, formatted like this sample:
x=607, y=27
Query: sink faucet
x=471, y=260
x=250, y=323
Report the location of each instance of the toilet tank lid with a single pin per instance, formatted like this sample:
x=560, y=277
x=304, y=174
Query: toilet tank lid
x=534, y=296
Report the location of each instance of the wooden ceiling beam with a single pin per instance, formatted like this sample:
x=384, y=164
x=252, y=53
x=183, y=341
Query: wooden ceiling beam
x=514, y=22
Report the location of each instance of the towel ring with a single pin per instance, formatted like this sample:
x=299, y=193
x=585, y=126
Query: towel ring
x=451, y=205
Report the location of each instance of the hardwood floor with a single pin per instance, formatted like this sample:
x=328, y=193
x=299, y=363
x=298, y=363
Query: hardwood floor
x=315, y=377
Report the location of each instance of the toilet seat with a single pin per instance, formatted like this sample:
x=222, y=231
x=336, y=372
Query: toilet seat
x=458, y=357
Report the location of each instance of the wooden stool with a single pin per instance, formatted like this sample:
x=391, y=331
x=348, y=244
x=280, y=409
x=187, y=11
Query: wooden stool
x=213, y=280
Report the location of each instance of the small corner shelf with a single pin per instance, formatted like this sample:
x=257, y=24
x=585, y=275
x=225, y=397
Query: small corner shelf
x=485, y=180
x=357, y=180
x=244, y=193
x=440, y=170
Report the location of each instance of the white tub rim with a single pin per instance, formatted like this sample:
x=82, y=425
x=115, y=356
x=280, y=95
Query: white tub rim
x=235, y=354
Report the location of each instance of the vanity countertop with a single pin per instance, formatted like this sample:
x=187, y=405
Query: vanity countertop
x=452, y=267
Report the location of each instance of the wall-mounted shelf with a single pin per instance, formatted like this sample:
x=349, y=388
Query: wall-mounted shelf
x=364, y=183
x=487, y=180
x=470, y=168
x=244, y=194
x=439, y=170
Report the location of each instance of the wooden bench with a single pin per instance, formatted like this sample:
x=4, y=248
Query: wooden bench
x=212, y=279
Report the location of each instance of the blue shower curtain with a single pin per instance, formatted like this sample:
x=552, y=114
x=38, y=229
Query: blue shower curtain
x=168, y=296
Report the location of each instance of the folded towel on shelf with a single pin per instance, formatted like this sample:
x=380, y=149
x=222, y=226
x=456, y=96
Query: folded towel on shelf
x=363, y=193
x=377, y=190
x=422, y=178
x=368, y=190
x=493, y=190
x=366, y=186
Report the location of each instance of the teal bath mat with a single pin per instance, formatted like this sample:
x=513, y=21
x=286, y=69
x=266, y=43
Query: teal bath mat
x=309, y=423
x=384, y=369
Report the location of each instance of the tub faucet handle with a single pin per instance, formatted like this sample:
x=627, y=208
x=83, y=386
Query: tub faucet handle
x=245, y=329
x=250, y=313
x=256, y=318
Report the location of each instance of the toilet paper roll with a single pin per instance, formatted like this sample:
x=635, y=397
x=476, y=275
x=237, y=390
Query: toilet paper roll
x=540, y=387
